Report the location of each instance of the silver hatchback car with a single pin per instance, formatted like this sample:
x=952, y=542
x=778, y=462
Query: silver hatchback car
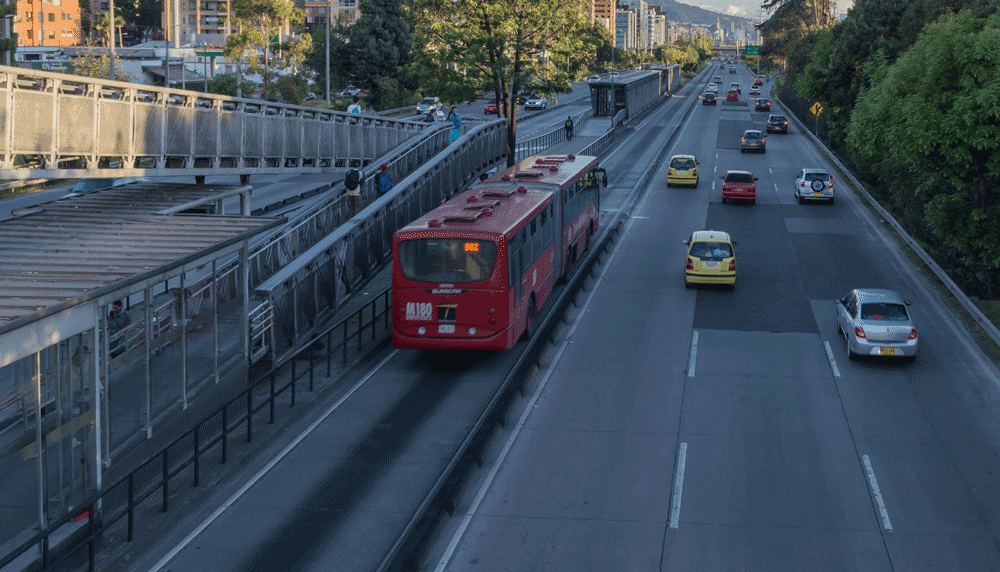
x=874, y=322
x=814, y=185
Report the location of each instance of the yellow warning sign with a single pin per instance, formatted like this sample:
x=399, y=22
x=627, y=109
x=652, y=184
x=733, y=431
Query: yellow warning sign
x=816, y=109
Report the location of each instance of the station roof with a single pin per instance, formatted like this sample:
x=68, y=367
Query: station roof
x=626, y=78
x=62, y=253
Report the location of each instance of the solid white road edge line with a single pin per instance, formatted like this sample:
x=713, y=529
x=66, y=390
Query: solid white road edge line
x=675, y=502
x=488, y=482
x=694, y=353
x=829, y=356
x=878, y=495
x=260, y=474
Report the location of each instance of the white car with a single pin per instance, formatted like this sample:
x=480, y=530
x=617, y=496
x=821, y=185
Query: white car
x=875, y=322
x=428, y=104
x=736, y=85
x=754, y=90
x=717, y=79
x=536, y=103
x=714, y=88
x=814, y=185
x=594, y=77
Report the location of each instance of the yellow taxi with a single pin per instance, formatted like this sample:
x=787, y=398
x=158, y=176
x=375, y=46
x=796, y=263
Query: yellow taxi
x=683, y=170
x=711, y=258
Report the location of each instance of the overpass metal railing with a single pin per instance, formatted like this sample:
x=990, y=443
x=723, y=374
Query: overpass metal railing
x=304, y=293
x=64, y=126
x=539, y=144
x=309, y=227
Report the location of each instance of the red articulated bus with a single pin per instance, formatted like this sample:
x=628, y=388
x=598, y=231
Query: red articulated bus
x=472, y=273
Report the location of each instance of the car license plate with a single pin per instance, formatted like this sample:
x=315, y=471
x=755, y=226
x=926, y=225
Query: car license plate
x=887, y=351
x=446, y=328
x=817, y=194
x=711, y=264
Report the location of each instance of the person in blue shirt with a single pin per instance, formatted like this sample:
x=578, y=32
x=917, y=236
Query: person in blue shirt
x=456, y=122
x=384, y=182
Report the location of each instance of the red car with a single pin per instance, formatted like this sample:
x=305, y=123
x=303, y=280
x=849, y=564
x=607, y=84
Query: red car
x=732, y=95
x=758, y=82
x=739, y=185
x=491, y=108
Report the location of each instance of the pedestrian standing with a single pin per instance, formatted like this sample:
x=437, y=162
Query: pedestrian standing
x=429, y=118
x=456, y=122
x=384, y=182
x=355, y=107
x=569, y=128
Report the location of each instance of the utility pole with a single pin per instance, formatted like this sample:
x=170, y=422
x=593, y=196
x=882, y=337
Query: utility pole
x=111, y=20
x=329, y=15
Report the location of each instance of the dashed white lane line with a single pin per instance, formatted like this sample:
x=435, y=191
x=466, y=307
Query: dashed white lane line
x=675, y=502
x=713, y=185
x=878, y=495
x=776, y=188
x=829, y=356
x=770, y=171
x=694, y=353
x=715, y=169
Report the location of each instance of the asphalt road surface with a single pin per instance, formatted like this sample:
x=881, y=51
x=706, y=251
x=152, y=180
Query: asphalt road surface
x=673, y=429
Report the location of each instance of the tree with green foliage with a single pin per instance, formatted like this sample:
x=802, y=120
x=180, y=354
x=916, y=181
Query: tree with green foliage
x=380, y=51
x=225, y=84
x=257, y=22
x=465, y=47
x=936, y=109
x=340, y=62
x=97, y=65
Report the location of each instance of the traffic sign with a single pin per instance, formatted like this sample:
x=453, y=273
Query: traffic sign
x=752, y=51
x=816, y=109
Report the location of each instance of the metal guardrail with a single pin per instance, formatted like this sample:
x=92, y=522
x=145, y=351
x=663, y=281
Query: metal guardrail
x=542, y=142
x=50, y=122
x=113, y=513
x=988, y=326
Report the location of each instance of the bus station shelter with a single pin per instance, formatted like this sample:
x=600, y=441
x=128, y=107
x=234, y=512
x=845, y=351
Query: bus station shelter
x=79, y=376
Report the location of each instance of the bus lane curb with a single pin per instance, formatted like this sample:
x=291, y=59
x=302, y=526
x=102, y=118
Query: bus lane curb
x=439, y=509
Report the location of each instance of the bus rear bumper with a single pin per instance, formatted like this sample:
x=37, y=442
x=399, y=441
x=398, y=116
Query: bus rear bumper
x=497, y=341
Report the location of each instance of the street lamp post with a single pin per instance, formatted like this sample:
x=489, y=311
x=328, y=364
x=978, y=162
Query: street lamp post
x=329, y=15
x=111, y=20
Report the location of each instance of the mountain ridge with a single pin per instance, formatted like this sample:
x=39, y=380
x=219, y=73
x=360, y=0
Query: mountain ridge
x=679, y=12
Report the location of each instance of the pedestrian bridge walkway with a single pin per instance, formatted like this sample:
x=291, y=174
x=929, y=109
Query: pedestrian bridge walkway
x=67, y=126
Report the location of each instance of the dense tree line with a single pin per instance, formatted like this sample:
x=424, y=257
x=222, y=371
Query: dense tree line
x=911, y=91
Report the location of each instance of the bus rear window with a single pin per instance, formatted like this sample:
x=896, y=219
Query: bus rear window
x=447, y=260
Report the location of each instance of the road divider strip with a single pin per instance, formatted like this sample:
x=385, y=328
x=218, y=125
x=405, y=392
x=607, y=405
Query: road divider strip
x=878, y=495
x=829, y=356
x=675, y=501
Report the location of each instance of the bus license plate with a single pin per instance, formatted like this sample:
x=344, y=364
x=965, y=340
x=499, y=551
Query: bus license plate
x=450, y=329
x=887, y=351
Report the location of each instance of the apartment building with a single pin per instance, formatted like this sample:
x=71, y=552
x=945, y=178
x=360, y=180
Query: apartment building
x=195, y=17
x=47, y=22
x=343, y=11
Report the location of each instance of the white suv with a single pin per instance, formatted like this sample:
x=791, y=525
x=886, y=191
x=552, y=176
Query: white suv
x=814, y=185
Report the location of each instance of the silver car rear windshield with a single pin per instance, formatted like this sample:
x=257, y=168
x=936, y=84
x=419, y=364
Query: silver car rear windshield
x=884, y=311
x=817, y=176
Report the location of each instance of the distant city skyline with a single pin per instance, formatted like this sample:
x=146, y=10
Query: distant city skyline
x=746, y=9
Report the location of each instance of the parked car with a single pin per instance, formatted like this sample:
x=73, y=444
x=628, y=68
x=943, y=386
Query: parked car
x=777, y=124
x=350, y=91
x=428, y=104
x=762, y=104
x=709, y=98
x=739, y=185
x=875, y=322
x=536, y=103
x=814, y=185
x=594, y=77
x=87, y=186
x=711, y=259
x=753, y=140
x=310, y=96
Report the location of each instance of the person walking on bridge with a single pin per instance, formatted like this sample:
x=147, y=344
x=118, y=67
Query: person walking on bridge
x=569, y=128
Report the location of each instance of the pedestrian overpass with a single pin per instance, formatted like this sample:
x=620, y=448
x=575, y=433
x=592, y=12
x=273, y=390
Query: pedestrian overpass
x=66, y=126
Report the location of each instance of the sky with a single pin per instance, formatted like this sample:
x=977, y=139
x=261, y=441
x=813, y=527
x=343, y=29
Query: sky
x=747, y=8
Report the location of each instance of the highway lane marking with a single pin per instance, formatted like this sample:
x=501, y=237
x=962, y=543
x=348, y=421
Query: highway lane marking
x=713, y=185
x=878, y=495
x=715, y=169
x=694, y=353
x=770, y=171
x=675, y=502
x=260, y=474
x=516, y=430
x=775, y=188
x=829, y=356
